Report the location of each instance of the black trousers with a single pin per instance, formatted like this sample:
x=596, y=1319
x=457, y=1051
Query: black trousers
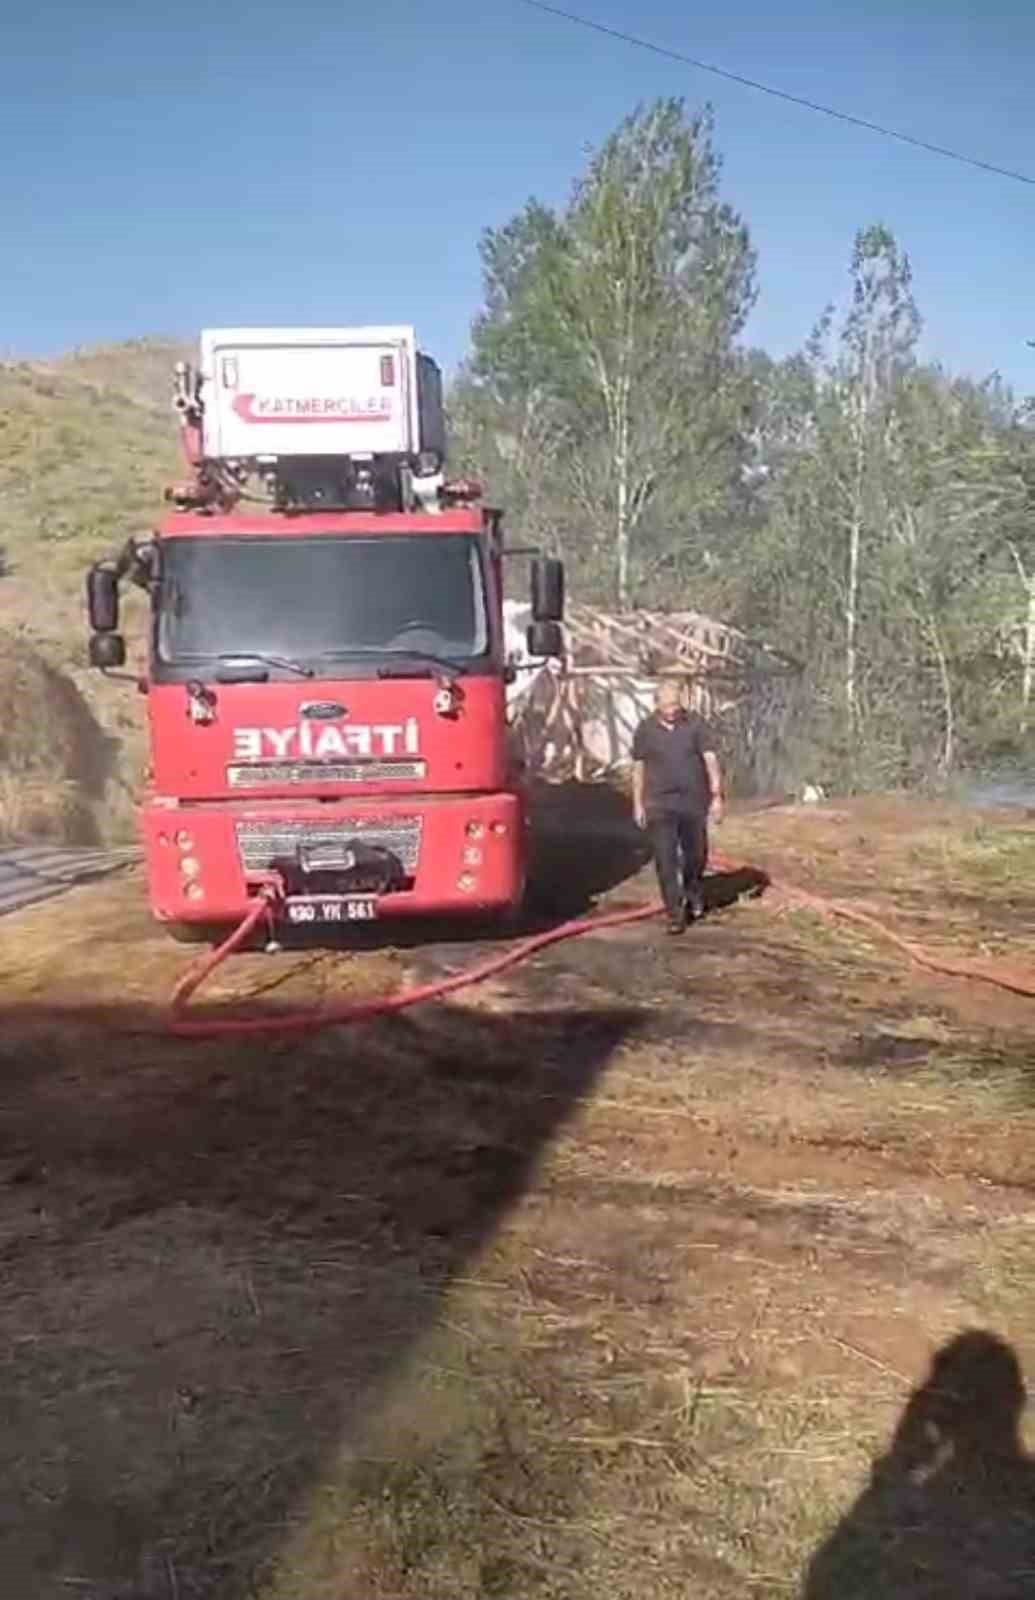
x=680, y=844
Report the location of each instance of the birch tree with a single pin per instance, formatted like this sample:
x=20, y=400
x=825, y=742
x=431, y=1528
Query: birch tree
x=1020, y=546
x=952, y=500
x=877, y=345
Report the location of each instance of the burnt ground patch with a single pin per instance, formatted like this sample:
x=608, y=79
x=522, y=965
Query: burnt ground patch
x=215, y=1257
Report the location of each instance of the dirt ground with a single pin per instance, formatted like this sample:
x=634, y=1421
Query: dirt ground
x=622, y=1275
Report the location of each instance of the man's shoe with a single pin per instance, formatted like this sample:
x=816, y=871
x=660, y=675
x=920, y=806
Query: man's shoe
x=695, y=906
x=677, y=924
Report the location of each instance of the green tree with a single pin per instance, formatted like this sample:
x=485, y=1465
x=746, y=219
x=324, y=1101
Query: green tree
x=611, y=327
x=877, y=345
x=823, y=453
x=883, y=552
x=951, y=493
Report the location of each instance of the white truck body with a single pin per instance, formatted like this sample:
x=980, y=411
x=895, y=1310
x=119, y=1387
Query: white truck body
x=271, y=392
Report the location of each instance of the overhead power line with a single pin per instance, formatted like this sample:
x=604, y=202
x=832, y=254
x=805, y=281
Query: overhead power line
x=778, y=94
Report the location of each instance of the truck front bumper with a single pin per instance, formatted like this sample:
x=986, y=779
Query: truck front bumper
x=457, y=854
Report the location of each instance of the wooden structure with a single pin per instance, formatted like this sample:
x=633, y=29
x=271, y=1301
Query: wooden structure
x=576, y=719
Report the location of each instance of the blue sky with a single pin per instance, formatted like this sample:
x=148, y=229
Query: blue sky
x=167, y=167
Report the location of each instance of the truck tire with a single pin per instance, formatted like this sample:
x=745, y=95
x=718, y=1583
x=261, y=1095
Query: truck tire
x=509, y=923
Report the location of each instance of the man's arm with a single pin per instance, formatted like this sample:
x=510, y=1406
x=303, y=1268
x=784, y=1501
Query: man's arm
x=714, y=771
x=639, y=809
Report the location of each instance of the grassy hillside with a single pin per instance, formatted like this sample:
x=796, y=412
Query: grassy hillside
x=87, y=444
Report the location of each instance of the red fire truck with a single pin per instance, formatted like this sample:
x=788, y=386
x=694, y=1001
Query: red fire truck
x=327, y=671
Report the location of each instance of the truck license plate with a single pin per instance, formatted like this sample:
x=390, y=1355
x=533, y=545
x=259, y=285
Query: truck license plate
x=360, y=908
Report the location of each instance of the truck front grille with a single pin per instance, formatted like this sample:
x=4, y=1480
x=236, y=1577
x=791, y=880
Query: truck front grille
x=263, y=844
x=256, y=775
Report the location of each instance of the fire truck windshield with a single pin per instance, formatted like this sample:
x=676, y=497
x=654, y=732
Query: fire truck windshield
x=313, y=599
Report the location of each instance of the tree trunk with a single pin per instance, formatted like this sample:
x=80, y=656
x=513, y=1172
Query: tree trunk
x=855, y=551
x=622, y=506
x=1028, y=673
x=851, y=626
x=1028, y=647
x=948, y=755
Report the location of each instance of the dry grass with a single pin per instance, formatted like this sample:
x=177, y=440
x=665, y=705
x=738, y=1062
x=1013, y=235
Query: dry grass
x=39, y=808
x=672, y=1371
x=614, y=1277
x=549, y=1448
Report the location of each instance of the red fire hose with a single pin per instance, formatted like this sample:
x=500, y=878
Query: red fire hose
x=1015, y=980
x=335, y=1016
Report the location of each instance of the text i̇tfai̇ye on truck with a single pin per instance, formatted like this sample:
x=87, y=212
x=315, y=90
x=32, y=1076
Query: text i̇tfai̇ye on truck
x=327, y=669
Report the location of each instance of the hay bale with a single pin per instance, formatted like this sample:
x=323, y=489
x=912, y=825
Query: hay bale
x=55, y=760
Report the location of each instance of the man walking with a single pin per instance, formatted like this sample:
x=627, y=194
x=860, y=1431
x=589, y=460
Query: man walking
x=677, y=787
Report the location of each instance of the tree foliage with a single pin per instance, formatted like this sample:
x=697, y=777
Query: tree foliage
x=870, y=514
x=603, y=381
x=882, y=553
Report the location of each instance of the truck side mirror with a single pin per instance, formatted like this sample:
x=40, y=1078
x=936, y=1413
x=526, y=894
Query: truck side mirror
x=107, y=651
x=545, y=639
x=102, y=599
x=547, y=589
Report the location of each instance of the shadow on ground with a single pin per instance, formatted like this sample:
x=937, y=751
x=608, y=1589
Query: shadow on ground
x=215, y=1258
x=584, y=845
x=949, y=1512
x=724, y=889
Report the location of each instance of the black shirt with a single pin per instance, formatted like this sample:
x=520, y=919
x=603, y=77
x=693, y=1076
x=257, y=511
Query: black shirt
x=675, y=776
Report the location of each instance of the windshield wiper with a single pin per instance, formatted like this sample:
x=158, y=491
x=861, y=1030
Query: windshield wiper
x=247, y=660
x=425, y=658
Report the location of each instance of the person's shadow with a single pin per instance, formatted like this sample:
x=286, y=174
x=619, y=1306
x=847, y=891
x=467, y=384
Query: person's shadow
x=950, y=1509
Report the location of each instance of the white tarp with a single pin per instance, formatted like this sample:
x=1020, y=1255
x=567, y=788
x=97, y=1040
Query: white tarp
x=611, y=711
x=517, y=614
